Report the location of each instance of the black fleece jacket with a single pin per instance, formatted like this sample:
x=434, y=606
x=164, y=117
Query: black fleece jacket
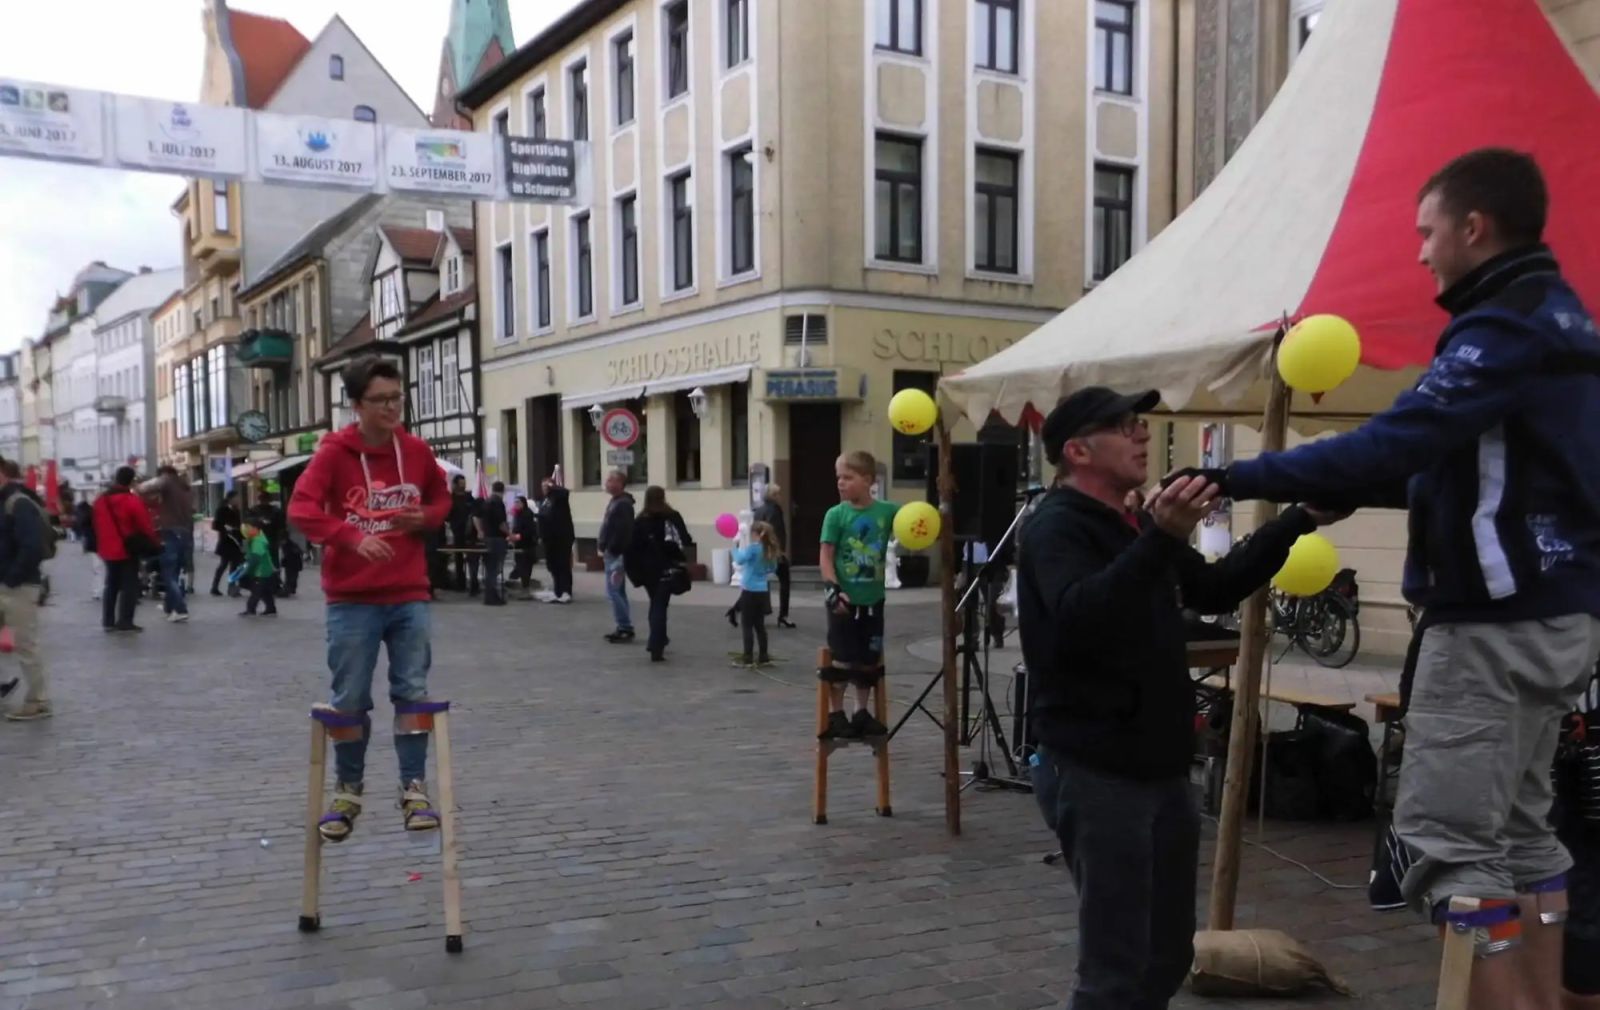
x=1103, y=634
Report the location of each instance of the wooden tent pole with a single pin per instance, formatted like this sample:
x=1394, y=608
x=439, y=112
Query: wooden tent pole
x=947, y=606
x=1253, y=645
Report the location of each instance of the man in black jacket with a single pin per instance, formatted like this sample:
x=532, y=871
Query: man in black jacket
x=1100, y=597
x=464, y=533
x=23, y=533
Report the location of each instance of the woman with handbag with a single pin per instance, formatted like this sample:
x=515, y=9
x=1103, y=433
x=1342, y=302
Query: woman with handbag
x=656, y=561
x=125, y=537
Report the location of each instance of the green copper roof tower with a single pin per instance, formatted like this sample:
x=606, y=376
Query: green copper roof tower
x=479, y=37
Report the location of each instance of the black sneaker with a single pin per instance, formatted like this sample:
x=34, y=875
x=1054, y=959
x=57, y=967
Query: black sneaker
x=9, y=686
x=864, y=725
x=1390, y=861
x=620, y=636
x=839, y=728
x=126, y=627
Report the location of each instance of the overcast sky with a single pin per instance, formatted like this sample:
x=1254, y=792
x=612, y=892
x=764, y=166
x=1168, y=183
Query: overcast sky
x=56, y=218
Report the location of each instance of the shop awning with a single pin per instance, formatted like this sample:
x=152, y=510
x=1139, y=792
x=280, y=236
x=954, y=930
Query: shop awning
x=253, y=467
x=682, y=383
x=282, y=465
x=575, y=401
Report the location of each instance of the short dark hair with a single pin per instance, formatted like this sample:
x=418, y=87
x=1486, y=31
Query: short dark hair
x=358, y=375
x=125, y=476
x=10, y=468
x=167, y=470
x=1499, y=183
x=460, y=476
x=498, y=487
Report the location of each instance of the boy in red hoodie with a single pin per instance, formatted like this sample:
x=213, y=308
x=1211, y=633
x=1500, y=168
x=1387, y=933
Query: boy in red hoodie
x=370, y=495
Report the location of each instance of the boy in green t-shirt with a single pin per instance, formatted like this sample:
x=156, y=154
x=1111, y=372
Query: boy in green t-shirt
x=855, y=541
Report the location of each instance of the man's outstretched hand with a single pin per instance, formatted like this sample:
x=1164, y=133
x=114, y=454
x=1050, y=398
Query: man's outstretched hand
x=1213, y=475
x=1180, y=505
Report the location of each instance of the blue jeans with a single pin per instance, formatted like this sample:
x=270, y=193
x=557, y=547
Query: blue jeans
x=355, y=630
x=177, y=553
x=617, y=592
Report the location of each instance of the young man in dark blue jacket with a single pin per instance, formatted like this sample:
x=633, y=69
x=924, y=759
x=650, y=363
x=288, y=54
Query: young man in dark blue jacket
x=1494, y=450
x=1100, y=592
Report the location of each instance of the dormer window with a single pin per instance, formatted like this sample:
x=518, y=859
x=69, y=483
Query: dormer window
x=452, y=275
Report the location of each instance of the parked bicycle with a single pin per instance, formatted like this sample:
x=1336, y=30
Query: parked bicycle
x=1327, y=626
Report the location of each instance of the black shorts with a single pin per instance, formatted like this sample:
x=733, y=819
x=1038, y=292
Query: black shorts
x=855, y=638
x=1581, y=961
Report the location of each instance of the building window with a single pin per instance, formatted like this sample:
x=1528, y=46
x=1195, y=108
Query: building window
x=742, y=211
x=1113, y=218
x=425, y=387
x=366, y=114
x=218, y=367
x=900, y=26
x=686, y=428
x=180, y=391
x=219, y=206
x=628, y=226
x=677, y=48
x=502, y=123
x=449, y=377
x=452, y=275
x=739, y=432
x=513, y=452
x=506, y=325
x=1303, y=17
x=589, y=436
x=622, y=49
x=994, y=36
x=541, y=277
x=738, y=28
x=1113, y=46
x=897, y=199
x=538, y=128
x=579, y=78
x=583, y=266
x=681, y=198
x=336, y=67
x=910, y=451
x=994, y=213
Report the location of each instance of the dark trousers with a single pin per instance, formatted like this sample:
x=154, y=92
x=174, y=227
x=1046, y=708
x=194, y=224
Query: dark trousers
x=1132, y=846
x=660, y=596
x=225, y=568
x=522, y=568
x=121, y=593
x=753, y=609
x=466, y=563
x=262, y=588
x=291, y=579
x=783, y=589
x=494, y=568
x=558, y=559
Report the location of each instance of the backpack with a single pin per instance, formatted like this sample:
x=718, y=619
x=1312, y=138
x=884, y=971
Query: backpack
x=47, y=541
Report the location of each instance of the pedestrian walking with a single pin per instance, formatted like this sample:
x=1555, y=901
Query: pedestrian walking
x=771, y=513
x=175, y=529
x=613, y=542
x=494, y=528
x=655, y=562
x=26, y=540
x=83, y=526
x=369, y=496
x=126, y=538
x=557, y=534
x=757, y=561
x=464, y=535
x=226, y=524
x=260, y=573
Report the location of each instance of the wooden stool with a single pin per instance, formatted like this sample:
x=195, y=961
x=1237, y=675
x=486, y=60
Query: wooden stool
x=825, y=748
x=326, y=721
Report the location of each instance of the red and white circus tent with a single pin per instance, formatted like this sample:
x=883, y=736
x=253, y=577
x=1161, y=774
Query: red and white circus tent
x=1316, y=213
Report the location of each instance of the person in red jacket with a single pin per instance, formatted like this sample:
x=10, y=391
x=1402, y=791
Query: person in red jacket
x=370, y=494
x=119, y=515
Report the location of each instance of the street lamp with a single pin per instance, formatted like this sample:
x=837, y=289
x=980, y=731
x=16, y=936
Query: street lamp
x=596, y=413
x=697, y=402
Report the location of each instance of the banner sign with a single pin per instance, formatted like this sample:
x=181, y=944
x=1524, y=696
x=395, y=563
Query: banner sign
x=310, y=149
x=49, y=121
x=440, y=161
x=184, y=137
x=543, y=170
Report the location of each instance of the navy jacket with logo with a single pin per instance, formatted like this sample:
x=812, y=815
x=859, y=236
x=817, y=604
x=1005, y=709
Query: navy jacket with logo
x=1495, y=450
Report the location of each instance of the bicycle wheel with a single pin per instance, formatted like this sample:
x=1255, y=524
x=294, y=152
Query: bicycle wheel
x=1333, y=635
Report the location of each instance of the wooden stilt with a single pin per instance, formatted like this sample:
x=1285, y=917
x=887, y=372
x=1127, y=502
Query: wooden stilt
x=1455, y=966
x=819, y=794
x=947, y=606
x=311, y=877
x=447, y=833
x=880, y=705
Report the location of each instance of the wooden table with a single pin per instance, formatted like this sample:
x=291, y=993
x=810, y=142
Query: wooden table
x=1386, y=710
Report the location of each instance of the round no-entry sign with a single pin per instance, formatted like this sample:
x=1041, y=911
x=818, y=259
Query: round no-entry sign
x=619, y=428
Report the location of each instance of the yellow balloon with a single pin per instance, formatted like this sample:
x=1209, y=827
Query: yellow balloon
x=912, y=412
x=1318, y=353
x=1312, y=563
x=916, y=525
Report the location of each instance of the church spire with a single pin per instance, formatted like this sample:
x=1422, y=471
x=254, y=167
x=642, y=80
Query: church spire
x=479, y=37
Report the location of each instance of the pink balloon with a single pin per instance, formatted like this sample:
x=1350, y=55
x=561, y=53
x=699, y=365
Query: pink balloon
x=728, y=525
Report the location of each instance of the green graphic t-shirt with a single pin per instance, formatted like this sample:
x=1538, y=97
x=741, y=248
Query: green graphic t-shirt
x=860, y=539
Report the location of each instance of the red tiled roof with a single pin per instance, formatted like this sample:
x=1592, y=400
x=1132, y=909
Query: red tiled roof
x=415, y=245
x=269, y=48
x=439, y=308
x=466, y=239
x=360, y=335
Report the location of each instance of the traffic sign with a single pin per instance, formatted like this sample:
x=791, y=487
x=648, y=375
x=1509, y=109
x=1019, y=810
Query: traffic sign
x=619, y=428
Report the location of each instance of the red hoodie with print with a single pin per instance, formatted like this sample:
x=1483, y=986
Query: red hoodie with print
x=352, y=490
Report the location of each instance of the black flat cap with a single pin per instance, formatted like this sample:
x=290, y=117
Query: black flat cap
x=1087, y=407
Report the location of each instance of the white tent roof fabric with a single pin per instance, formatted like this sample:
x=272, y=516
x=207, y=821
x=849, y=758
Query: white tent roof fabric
x=1192, y=314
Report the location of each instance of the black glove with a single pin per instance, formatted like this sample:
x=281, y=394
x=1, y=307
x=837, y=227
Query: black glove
x=1214, y=475
x=830, y=594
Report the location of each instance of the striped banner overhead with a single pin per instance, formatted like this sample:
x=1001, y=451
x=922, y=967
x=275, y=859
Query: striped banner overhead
x=1317, y=212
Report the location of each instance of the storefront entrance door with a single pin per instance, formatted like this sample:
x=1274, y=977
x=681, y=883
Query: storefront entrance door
x=813, y=447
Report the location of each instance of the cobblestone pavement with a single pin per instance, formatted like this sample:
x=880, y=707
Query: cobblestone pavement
x=635, y=835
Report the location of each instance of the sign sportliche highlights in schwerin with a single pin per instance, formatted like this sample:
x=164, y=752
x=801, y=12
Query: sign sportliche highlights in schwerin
x=56, y=123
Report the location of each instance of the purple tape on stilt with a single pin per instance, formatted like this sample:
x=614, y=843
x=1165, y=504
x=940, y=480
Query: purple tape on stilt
x=1483, y=916
x=334, y=717
x=1555, y=883
x=330, y=818
x=424, y=707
